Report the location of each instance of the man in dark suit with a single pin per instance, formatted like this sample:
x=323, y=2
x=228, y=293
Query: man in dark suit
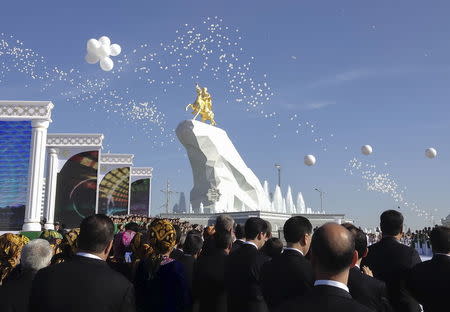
x=390, y=261
x=429, y=281
x=365, y=289
x=243, y=270
x=240, y=237
x=14, y=294
x=177, y=252
x=209, y=276
x=191, y=249
x=85, y=283
x=289, y=275
x=333, y=253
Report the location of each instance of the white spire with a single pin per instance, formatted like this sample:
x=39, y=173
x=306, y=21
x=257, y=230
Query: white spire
x=301, y=208
x=266, y=189
x=201, y=207
x=278, y=200
x=284, y=205
x=309, y=210
x=290, y=207
x=190, y=208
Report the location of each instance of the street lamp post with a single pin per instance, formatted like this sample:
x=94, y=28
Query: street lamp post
x=321, y=198
x=278, y=166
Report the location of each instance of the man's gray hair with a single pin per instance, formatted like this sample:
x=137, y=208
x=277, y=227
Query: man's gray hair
x=36, y=255
x=224, y=223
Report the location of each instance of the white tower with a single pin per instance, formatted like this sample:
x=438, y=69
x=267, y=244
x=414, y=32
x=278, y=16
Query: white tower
x=278, y=200
x=290, y=207
x=301, y=208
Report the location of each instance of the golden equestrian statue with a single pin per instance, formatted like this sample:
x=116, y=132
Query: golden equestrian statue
x=202, y=105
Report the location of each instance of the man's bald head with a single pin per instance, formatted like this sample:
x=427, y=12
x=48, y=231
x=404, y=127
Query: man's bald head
x=332, y=248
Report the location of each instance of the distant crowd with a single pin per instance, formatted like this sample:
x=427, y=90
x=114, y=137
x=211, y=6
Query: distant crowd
x=418, y=239
x=167, y=265
x=144, y=222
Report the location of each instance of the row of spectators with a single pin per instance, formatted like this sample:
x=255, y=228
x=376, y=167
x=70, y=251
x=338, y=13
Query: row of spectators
x=144, y=222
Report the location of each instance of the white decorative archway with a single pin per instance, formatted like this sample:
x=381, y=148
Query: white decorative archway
x=109, y=162
x=60, y=148
x=138, y=173
x=39, y=113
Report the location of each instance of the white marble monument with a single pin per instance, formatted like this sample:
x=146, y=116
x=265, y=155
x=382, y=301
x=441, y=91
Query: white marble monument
x=222, y=180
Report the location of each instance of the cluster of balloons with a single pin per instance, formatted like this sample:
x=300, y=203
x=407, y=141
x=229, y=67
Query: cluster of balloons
x=101, y=50
x=429, y=152
x=310, y=160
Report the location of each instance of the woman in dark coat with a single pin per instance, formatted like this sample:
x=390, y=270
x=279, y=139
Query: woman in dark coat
x=160, y=280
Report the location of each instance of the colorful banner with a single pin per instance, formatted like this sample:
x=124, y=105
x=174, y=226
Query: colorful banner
x=15, y=144
x=76, y=190
x=114, y=192
x=140, y=197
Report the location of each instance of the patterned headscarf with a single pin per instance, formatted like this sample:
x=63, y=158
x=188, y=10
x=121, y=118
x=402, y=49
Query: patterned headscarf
x=49, y=234
x=208, y=232
x=162, y=236
x=10, y=248
x=67, y=247
x=54, y=238
x=139, y=247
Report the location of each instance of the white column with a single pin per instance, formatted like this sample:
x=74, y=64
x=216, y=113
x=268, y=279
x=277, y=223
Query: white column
x=35, y=175
x=52, y=175
x=129, y=191
x=150, y=197
x=98, y=179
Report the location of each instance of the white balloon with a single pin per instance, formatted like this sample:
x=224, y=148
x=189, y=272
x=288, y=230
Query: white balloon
x=91, y=58
x=310, y=160
x=430, y=152
x=366, y=149
x=103, y=51
x=115, y=49
x=92, y=45
x=106, y=64
x=104, y=40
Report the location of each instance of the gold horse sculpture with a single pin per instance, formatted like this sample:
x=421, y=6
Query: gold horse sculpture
x=202, y=105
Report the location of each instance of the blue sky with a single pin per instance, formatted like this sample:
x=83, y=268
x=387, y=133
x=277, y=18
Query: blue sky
x=360, y=72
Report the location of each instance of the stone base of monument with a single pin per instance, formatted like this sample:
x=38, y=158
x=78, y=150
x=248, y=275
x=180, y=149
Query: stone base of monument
x=276, y=219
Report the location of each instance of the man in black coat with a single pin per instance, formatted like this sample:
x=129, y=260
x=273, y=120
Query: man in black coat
x=289, y=275
x=85, y=283
x=177, y=252
x=14, y=294
x=333, y=253
x=191, y=249
x=240, y=237
x=243, y=270
x=209, y=276
x=390, y=261
x=429, y=281
x=364, y=288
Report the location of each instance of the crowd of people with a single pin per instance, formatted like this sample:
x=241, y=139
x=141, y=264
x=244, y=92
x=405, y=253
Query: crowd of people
x=144, y=222
x=418, y=239
x=167, y=265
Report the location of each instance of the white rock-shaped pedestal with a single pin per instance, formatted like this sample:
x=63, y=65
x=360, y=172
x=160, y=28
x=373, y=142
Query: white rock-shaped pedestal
x=218, y=168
